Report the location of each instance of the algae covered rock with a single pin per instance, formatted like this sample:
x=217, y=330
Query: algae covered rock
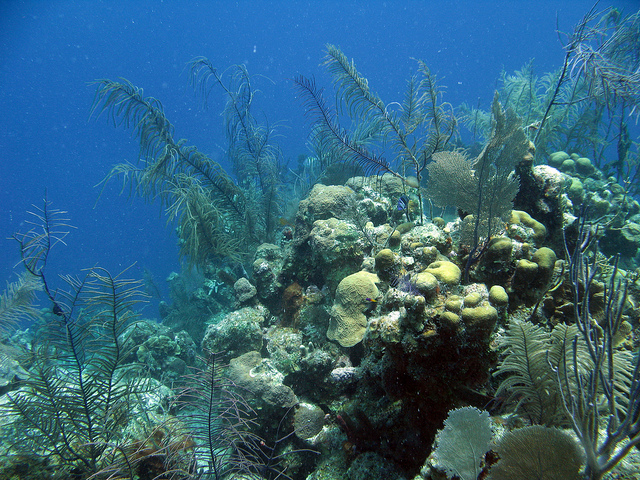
x=308, y=420
x=348, y=322
x=337, y=249
x=236, y=333
x=257, y=375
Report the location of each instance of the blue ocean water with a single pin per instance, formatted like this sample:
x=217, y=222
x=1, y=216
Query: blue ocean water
x=51, y=51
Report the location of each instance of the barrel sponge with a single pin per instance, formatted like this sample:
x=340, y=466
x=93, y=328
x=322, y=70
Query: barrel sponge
x=348, y=323
x=445, y=271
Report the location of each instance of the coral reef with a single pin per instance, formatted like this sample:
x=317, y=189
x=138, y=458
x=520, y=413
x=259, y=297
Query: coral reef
x=360, y=337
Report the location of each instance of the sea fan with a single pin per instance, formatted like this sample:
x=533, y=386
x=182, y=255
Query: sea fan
x=537, y=452
x=463, y=441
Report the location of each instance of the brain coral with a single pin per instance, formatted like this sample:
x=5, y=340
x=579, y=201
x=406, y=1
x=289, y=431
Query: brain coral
x=445, y=271
x=348, y=322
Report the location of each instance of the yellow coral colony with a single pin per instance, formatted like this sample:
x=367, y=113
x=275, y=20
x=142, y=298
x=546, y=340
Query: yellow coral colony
x=348, y=323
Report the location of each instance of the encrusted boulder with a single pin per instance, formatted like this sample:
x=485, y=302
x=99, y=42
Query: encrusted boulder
x=283, y=345
x=337, y=249
x=236, y=333
x=308, y=420
x=429, y=235
x=267, y=267
x=323, y=202
x=258, y=375
x=386, y=185
x=624, y=241
x=244, y=290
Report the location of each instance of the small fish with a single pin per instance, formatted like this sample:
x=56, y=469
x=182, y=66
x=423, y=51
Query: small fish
x=533, y=127
x=403, y=203
x=370, y=304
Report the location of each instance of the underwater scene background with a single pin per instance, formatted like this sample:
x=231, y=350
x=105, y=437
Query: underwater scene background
x=319, y=240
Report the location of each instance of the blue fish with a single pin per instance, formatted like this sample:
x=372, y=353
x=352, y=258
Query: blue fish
x=403, y=203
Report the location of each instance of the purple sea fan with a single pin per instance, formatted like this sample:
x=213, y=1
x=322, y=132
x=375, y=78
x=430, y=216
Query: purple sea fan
x=404, y=284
